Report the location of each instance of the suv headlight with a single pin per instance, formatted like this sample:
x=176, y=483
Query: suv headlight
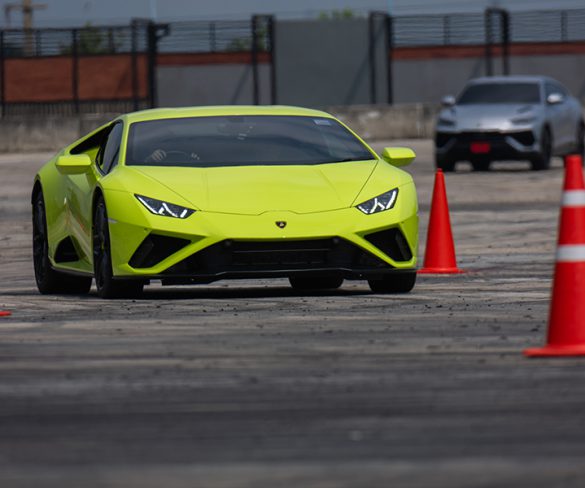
x=382, y=202
x=446, y=122
x=166, y=209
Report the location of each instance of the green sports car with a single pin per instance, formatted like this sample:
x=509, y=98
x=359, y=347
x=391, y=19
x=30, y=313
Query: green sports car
x=195, y=195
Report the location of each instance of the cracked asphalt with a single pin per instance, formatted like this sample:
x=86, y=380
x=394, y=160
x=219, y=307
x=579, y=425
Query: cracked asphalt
x=249, y=384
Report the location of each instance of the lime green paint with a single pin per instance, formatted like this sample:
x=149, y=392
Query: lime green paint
x=73, y=164
x=398, y=156
x=230, y=202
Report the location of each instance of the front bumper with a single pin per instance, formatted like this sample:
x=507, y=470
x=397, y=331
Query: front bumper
x=463, y=146
x=210, y=246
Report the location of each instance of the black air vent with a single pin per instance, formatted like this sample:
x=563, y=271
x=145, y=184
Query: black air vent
x=66, y=252
x=392, y=243
x=154, y=249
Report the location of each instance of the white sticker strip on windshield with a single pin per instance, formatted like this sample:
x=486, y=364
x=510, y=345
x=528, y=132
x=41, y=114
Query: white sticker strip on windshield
x=322, y=121
x=573, y=198
x=571, y=253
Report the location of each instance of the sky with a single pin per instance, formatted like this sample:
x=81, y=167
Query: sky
x=70, y=13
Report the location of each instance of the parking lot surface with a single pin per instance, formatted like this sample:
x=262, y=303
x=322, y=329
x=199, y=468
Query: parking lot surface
x=249, y=384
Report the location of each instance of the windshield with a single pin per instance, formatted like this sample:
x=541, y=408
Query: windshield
x=512, y=93
x=242, y=141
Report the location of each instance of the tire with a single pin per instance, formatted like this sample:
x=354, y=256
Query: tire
x=444, y=163
x=397, y=283
x=107, y=286
x=307, y=284
x=542, y=161
x=50, y=281
x=480, y=164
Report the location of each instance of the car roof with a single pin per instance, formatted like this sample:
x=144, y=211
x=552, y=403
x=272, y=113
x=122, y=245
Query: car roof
x=209, y=111
x=511, y=79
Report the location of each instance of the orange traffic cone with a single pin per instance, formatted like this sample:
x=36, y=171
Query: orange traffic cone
x=566, y=325
x=5, y=313
x=440, y=250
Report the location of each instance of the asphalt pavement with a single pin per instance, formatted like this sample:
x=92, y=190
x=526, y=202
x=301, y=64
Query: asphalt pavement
x=249, y=384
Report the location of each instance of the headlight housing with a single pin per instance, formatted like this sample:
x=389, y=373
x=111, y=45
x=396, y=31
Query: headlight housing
x=382, y=202
x=446, y=122
x=166, y=209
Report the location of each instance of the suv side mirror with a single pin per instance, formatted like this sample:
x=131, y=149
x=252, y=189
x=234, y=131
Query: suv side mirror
x=448, y=101
x=555, y=98
x=73, y=164
x=398, y=156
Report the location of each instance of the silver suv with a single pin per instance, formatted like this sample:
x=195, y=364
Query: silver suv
x=508, y=118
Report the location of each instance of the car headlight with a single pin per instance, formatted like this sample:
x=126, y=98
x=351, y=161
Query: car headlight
x=382, y=202
x=166, y=209
x=446, y=122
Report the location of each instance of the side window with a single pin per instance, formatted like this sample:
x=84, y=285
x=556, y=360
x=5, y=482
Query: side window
x=108, y=155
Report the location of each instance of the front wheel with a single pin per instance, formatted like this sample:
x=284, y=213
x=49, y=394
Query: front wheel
x=444, y=163
x=49, y=280
x=542, y=160
x=107, y=286
x=394, y=283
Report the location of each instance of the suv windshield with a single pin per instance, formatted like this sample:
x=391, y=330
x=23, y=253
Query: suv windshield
x=500, y=93
x=242, y=141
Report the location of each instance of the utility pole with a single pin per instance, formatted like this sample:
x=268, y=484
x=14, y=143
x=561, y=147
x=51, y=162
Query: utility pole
x=27, y=7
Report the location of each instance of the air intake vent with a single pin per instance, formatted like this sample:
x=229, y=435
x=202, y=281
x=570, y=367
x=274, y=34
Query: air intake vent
x=154, y=249
x=392, y=243
x=66, y=252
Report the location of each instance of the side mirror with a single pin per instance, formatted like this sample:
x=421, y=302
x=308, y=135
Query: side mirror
x=555, y=98
x=73, y=164
x=448, y=101
x=398, y=156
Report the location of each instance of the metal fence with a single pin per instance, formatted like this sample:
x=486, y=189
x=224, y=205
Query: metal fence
x=139, y=45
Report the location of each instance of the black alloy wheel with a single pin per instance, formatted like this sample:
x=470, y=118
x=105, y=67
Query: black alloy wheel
x=394, y=283
x=542, y=161
x=480, y=164
x=107, y=286
x=444, y=163
x=49, y=280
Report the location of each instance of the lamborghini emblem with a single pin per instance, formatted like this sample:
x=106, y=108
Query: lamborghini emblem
x=281, y=224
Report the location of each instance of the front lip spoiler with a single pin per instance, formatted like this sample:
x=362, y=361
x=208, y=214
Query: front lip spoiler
x=193, y=279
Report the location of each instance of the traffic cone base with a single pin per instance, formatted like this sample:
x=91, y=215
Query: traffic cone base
x=440, y=271
x=552, y=351
x=5, y=313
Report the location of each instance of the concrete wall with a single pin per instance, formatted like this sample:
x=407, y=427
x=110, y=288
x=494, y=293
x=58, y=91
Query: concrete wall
x=35, y=134
x=373, y=122
x=210, y=84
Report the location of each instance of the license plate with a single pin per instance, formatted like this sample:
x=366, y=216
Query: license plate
x=480, y=147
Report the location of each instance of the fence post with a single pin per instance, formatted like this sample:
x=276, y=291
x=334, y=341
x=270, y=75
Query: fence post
x=488, y=42
x=446, y=30
x=135, y=94
x=2, y=76
x=564, y=35
x=212, y=37
x=390, y=57
x=272, y=41
x=372, y=56
x=75, y=69
x=504, y=18
x=254, y=58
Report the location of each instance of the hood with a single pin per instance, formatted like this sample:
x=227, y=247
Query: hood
x=488, y=116
x=252, y=190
